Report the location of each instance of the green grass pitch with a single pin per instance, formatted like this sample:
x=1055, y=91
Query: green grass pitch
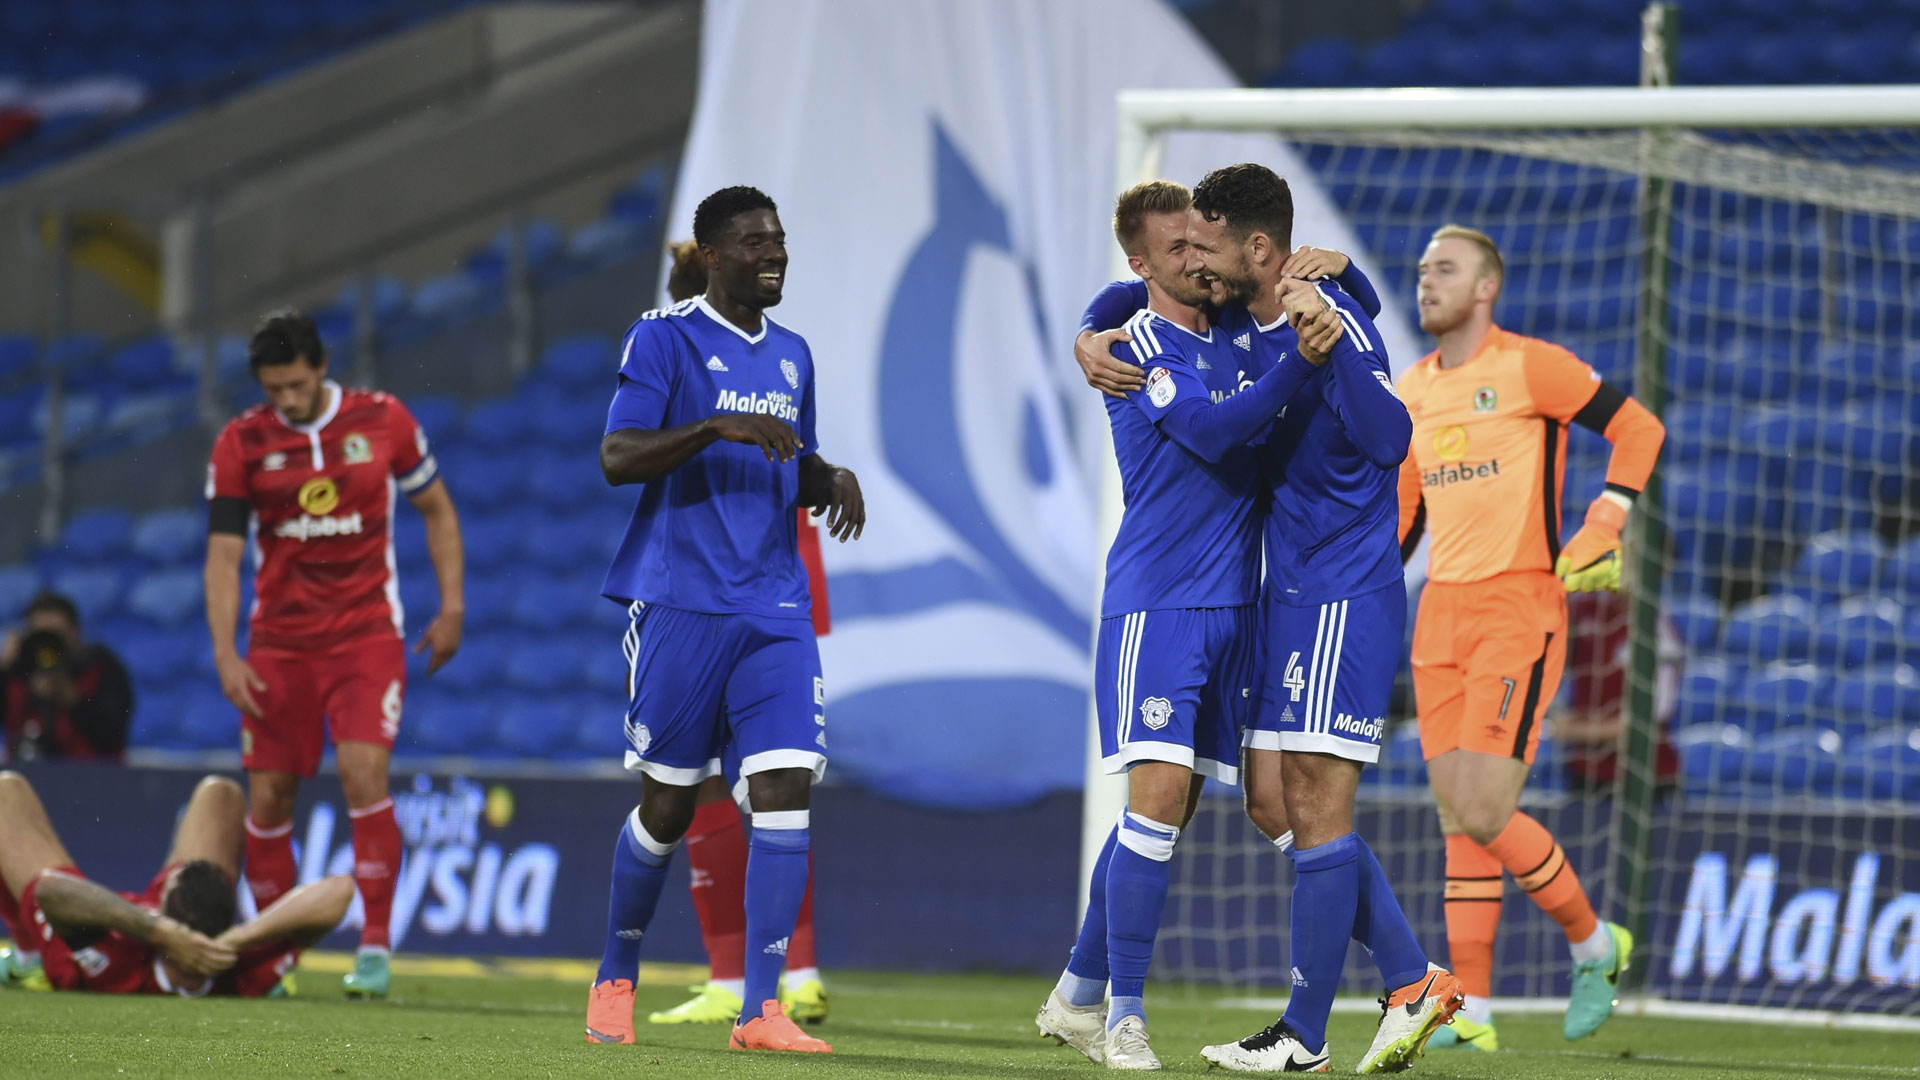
x=493, y=1023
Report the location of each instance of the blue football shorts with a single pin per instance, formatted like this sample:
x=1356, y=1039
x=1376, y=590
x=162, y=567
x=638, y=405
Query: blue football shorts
x=1326, y=674
x=1174, y=685
x=701, y=686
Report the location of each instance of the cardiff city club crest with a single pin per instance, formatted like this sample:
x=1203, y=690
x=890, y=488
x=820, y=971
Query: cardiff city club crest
x=792, y=372
x=1155, y=712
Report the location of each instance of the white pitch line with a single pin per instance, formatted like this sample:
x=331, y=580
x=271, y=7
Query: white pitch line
x=1649, y=1008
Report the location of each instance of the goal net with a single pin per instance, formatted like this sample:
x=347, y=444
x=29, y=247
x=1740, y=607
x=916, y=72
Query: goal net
x=1736, y=744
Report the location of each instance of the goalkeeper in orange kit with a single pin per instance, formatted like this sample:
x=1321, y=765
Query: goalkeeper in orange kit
x=1483, y=479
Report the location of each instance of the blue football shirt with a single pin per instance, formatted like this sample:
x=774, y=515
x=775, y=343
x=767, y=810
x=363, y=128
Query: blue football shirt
x=718, y=534
x=1189, y=536
x=1331, y=464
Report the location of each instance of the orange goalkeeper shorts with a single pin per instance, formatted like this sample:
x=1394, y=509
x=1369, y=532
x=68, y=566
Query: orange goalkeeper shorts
x=1487, y=658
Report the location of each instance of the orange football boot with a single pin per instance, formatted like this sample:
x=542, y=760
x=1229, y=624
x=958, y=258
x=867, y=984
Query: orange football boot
x=610, y=1012
x=772, y=1030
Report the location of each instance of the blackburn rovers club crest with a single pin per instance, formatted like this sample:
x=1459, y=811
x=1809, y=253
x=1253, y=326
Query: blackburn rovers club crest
x=1484, y=400
x=1155, y=712
x=355, y=449
x=792, y=372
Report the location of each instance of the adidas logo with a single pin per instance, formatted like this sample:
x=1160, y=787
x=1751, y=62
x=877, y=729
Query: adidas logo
x=629, y=935
x=714, y=364
x=1202, y=364
x=1245, y=341
x=1299, y=979
x=1286, y=714
x=778, y=948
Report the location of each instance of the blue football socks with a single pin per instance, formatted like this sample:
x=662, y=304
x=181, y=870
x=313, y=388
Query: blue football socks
x=776, y=882
x=639, y=874
x=1326, y=892
x=1381, y=926
x=1084, y=983
x=1136, y=899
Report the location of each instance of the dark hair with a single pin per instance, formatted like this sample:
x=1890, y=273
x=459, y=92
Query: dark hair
x=687, y=277
x=1251, y=198
x=721, y=207
x=1152, y=197
x=283, y=337
x=201, y=898
x=48, y=600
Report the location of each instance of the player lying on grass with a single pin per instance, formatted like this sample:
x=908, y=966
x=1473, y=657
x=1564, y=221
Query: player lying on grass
x=1332, y=612
x=177, y=936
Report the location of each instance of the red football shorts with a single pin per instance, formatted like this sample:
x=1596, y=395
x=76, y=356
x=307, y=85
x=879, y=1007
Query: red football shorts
x=356, y=689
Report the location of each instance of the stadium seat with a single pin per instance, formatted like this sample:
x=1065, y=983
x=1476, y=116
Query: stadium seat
x=573, y=422
x=1695, y=618
x=566, y=482
x=146, y=364
x=206, y=720
x=447, y=296
x=580, y=364
x=598, y=722
x=169, y=597
x=157, y=657
x=1836, y=565
x=1326, y=61
x=1902, y=573
x=531, y=726
x=96, y=534
x=606, y=242
x=1782, y=694
x=545, y=666
x=96, y=592
x=439, y=721
x=18, y=584
x=1799, y=762
x=154, y=712
x=18, y=355
x=493, y=542
x=477, y=667
x=1886, y=694
x=387, y=293
x=437, y=414
x=1884, y=765
x=1859, y=632
x=1768, y=628
x=562, y=545
x=503, y=423
x=490, y=600
x=548, y=604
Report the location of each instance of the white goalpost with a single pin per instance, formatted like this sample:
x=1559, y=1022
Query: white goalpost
x=1745, y=260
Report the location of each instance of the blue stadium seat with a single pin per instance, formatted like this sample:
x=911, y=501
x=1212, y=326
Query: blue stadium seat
x=503, y=423
x=564, y=545
x=490, y=601
x=96, y=534
x=1465, y=14
x=437, y=414
x=447, y=296
x=1326, y=61
x=1782, y=694
x=550, y=604
x=598, y=722
x=387, y=292
x=1836, y=565
x=1695, y=618
x=206, y=720
x=1902, y=573
x=492, y=542
x=1877, y=437
x=566, y=482
x=606, y=242
x=1858, y=632
x=168, y=597
x=1711, y=755
x=1886, y=694
x=1767, y=629
x=96, y=592
x=410, y=544
x=145, y=364
x=530, y=726
x=1884, y=765
x=154, y=712
x=572, y=422
x=157, y=657
x=440, y=721
x=487, y=480
x=1803, y=761
x=477, y=667
x=547, y=667
x=18, y=354
x=580, y=364
x=1710, y=58
x=18, y=584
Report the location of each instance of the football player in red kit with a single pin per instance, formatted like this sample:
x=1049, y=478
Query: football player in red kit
x=315, y=471
x=178, y=936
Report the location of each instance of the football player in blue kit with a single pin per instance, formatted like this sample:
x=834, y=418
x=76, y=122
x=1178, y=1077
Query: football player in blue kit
x=714, y=419
x=1173, y=671
x=1333, y=613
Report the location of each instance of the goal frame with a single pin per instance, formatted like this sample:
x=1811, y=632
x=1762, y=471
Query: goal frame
x=1146, y=116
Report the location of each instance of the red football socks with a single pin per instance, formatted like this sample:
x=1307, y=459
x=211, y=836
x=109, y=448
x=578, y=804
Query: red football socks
x=376, y=862
x=270, y=867
x=717, y=856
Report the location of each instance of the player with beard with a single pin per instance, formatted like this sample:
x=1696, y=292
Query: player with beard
x=1333, y=612
x=714, y=420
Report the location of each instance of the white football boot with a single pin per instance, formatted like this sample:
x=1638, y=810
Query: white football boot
x=1083, y=1027
x=1277, y=1049
x=1127, y=1046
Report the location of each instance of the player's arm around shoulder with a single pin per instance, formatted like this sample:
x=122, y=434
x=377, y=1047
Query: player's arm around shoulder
x=637, y=448
x=1360, y=386
x=1102, y=329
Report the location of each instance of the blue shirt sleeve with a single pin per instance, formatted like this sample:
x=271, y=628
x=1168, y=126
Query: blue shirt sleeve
x=1357, y=286
x=1360, y=387
x=647, y=377
x=1113, y=305
x=1180, y=404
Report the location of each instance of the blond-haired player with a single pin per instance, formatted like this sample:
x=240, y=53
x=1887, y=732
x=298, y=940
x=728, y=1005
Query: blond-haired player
x=1490, y=412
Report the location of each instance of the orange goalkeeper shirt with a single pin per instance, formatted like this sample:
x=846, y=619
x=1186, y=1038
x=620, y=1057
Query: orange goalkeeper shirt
x=1489, y=451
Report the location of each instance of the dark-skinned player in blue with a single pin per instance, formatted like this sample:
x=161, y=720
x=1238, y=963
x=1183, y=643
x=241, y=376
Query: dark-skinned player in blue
x=714, y=419
x=1333, y=616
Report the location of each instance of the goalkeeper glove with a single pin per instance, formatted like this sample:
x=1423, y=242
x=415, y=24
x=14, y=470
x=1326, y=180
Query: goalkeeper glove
x=1591, y=560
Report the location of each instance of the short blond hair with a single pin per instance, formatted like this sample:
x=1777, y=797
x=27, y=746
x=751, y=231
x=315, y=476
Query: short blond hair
x=1152, y=197
x=1490, y=260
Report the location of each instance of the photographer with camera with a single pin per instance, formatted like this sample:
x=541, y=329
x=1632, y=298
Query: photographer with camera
x=60, y=696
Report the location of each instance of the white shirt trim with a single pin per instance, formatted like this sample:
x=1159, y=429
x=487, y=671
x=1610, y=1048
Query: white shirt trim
x=312, y=431
x=751, y=339
x=167, y=987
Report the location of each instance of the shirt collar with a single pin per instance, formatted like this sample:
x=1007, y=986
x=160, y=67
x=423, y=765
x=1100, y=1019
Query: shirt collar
x=751, y=339
x=326, y=417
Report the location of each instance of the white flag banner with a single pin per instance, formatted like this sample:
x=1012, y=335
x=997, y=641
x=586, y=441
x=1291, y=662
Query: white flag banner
x=945, y=175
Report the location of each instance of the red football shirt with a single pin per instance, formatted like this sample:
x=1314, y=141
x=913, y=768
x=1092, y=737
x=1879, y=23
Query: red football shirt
x=322, y=496
x=115, y=963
